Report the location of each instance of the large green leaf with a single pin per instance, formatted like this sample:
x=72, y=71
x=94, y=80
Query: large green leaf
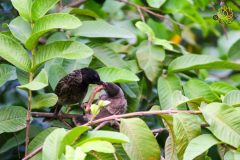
x=193, y=61
x=108, y=57
x=150, y=59
x=232, y=155
x=41, y=7
x=20, y=28
x=72, y=136
x=199, y=145
x=7, y=73
x=100, y=28
x=110, y=136
x=98, y=146
x=12, y=118
x=109, y=74
x=224, y=122
x=23, y=7
x=39, y=82
x=141, y=138
x=51, y=145
x=38, y=141
x=61, y=49
x=44, y=101
x=13, y=52
x=166, y=87
x=197, y=89
x=222, y=87
x=186, y=127
x=20, y=136
x=232, y=98
x=50, y=22
x=156, y=3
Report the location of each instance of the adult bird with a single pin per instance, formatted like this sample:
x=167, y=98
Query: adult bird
x=72, y=88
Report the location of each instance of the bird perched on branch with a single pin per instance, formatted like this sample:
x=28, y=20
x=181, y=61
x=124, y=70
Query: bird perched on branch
x=72, y=88
x=118, y=103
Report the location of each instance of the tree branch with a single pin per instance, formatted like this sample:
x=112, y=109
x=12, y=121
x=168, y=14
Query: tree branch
x=76, y=3
x=33, y=153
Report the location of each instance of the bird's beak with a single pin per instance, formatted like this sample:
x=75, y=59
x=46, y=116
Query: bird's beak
x=100, y=83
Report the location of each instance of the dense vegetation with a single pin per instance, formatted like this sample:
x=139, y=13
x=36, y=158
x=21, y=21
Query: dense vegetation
x=177, y=62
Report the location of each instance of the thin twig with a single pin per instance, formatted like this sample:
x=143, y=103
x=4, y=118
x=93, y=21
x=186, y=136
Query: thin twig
x=28, y=117
x=91, y=99
x=51, y=115
x=33, y=153
x=147, y=9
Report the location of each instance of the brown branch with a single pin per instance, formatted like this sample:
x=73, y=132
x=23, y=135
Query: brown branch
x=51, y=115
x=33, y=153
x=144, y=113
x=147, y=9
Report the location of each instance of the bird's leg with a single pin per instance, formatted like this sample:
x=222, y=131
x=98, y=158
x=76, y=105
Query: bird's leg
x=91, y=99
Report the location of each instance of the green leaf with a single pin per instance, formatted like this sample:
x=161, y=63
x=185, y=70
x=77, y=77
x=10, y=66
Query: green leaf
x=23, y=7
x=51, y=22
x=39, y=139
x=156, y=3
x=98, y=146
x=20, y=28
x=117, y=75
x=141, y=138
x=13, y=52
x=234, y=51
x=222, y=87
x=166, y=87
x=44, y=101
x=72, y=136
x=20, y=136
x=224, y=122
x=199, y=145
x=110, y=136
x=232, y=155
x=51, y=145
x=12, y=118
x=197, y=89
x=7, y=73
x=72, y=154
x=38, y=83
x=100, y=28
x=186, y=127
x=232, y=98
x=193, y=61
x=22, y=76
x=150, y=59
x=143, y=27
x=62, y=49
x=41, y=7
x=108, y=57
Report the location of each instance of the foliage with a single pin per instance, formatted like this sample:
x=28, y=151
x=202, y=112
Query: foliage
x=167, y=56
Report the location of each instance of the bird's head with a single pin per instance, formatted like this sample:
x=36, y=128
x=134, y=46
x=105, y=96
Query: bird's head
x=111, y=88
x=90, y=76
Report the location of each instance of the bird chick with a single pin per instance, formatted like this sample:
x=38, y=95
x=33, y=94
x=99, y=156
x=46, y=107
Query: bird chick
x=118, y=103
x=72, y=88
